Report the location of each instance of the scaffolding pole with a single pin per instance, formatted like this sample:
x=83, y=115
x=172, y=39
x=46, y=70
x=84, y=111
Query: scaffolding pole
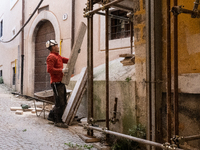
x=139, y=140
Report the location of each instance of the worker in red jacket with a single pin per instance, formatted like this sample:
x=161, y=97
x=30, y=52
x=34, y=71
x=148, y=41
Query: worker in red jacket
x=56, y=71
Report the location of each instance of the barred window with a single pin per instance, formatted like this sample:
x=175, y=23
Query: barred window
x=119, y=28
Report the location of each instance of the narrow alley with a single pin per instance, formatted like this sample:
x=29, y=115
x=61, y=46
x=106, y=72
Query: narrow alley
x=27, y=131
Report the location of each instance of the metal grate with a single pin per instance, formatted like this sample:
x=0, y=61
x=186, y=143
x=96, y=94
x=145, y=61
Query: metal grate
x=119, y=28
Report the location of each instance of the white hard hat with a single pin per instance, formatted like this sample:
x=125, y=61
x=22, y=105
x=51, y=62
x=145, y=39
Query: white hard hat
x=51, y=43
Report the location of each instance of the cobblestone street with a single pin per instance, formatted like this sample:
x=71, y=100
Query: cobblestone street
x=27, y=131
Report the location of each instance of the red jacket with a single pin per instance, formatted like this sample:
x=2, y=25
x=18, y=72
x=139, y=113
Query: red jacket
x=55, y=66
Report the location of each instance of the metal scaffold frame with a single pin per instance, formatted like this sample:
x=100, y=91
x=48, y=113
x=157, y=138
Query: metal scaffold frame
x=89, y=13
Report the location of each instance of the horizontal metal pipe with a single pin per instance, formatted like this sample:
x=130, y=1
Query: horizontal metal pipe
x=178, y=9
x=103, y=120
x=192, y=137
x=113, y=16
x=101, y=8
x=139, y=140
x=122, y=7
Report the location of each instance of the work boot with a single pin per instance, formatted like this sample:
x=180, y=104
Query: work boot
x=61, y=124
x=50, y=119
x=51, y=116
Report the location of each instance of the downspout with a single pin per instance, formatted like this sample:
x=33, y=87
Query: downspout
x=154, y=69
x=176, y=118
x=168, y=72
x=148, y=69
x=22, y=51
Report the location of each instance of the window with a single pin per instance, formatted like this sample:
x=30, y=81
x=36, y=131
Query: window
x=1, y=73
x=119, y=28
x=1, y=28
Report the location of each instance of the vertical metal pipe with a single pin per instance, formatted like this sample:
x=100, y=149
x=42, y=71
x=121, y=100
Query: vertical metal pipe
x=90, y=66
x=168, y=72
x=22, y=51
x=107, y=66
x=131, y=39
x=196, y=4
x=176, y=119
x=148, y=30
x=153, y=72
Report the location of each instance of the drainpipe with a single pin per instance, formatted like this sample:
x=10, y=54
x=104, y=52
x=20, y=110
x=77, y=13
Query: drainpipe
x=168, y=72
x=176, y=118
x=148, y=77
x=154, y=69
x=22, y=51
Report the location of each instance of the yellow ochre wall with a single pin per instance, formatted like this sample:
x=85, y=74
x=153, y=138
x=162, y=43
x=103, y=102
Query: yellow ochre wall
x=188, y=40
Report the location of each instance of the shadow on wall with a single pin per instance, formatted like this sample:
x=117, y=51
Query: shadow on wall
x=189, y=116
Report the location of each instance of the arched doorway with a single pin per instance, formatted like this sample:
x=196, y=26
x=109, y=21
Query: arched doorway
x=42, y=78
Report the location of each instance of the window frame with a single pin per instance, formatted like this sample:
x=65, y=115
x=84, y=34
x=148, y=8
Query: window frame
x=116, y=24
x=115, y=44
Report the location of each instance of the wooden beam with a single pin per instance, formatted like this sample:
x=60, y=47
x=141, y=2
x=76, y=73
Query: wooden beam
x=75, y=98
x=74, y=53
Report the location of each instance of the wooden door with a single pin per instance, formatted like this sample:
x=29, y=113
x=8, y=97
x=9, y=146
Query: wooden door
x=42, y=78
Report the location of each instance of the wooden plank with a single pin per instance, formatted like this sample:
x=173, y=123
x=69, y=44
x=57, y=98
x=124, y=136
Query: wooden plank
x=128, y=61
x=77, y=106
x=126, y=55
x=71, y=101
x=89, y=139
x=74, y=53
x=19, y=112
x=15, y=108
x=77, y=100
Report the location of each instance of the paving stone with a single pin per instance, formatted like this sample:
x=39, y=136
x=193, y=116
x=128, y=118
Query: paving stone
x=27, y=131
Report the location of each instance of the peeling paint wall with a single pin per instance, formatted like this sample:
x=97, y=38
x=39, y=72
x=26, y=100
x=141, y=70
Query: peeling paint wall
x=126, y=112
x=189, y=70
x=140, y=59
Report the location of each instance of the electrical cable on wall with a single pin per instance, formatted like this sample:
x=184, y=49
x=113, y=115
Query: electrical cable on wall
x=24, y=24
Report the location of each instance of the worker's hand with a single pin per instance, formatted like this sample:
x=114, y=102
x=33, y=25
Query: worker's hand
x=65, y=70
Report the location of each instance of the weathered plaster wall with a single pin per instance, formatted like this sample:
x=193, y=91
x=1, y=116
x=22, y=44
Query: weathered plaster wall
x=125, y=107
x=188, y=43
x=62, y=31
x=9, y=51
x=189, y=70
x=140, y=59
x=119, y=88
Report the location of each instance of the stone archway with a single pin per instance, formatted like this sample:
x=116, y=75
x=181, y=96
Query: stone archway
x=30, y=53
x=42, y=79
